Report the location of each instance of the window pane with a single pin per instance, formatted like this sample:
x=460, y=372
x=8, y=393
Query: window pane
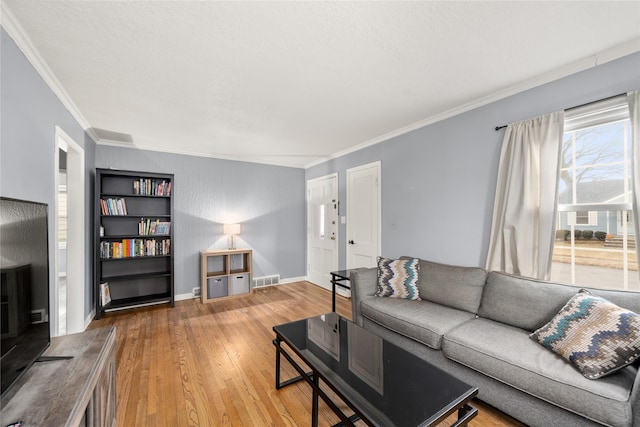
x=594, y=185
x=601, y=144
x=597, y=256
x=595, y=165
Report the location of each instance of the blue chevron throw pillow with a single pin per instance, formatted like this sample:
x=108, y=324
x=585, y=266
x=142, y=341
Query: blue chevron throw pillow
x=398, y=278
x=595, y=335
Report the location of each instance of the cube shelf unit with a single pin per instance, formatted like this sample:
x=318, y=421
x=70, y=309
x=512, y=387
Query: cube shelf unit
x=225, y=273
x=134, y=239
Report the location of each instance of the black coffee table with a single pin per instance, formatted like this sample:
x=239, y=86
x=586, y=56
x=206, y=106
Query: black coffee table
x=383, y=384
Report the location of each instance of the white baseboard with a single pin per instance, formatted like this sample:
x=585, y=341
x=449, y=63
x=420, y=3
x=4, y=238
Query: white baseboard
x=293, y=280
x=183, y=297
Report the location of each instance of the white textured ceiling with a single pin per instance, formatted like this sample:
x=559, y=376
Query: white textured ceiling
x=291, y=83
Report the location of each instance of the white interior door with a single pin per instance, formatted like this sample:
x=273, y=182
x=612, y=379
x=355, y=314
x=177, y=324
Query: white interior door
x=322, y=229
x=363, y=215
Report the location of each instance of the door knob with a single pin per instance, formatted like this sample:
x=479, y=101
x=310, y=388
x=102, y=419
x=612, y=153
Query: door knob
x=351, y=242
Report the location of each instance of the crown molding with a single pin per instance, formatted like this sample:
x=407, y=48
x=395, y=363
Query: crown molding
x=244, y=159
x=19, y=36
x=624, y=49
x=22, y=40
x=89, y=130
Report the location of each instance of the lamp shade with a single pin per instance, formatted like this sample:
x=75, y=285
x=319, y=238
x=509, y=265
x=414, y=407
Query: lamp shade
x=231, y=229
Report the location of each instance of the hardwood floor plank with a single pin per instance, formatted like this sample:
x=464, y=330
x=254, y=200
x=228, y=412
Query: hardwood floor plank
x=213, y=364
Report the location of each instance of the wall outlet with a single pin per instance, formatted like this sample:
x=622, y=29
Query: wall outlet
x=196, y=292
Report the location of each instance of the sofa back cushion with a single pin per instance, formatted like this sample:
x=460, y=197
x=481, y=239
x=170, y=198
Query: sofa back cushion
x=451, y=285
x=529, y=303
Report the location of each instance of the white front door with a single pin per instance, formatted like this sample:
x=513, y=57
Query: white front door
x=322, y=229
x=363, y=215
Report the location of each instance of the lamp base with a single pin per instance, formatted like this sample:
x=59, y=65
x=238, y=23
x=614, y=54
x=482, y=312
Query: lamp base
x=232, y=243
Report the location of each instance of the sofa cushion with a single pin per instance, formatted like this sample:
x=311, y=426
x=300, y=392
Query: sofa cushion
x=398, y=278
x=597, y=336
x=422, y=321
x=529, y=304
x=508, y=355
x=451, y=285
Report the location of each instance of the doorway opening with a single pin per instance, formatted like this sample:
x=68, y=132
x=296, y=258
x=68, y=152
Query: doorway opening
x=69, y=289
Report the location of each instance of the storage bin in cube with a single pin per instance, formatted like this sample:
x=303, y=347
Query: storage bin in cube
x=239, y=284
x=217, y=287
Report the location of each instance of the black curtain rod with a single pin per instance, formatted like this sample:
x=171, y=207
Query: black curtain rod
x=577, y=106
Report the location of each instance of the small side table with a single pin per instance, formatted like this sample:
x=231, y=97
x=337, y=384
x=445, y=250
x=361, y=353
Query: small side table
x=340, y=278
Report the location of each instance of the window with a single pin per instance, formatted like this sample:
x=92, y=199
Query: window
x=595, y=242
x=583, y=218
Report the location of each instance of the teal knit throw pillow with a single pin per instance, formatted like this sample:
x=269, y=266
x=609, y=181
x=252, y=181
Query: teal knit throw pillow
x=398, y=278
x=595, y=335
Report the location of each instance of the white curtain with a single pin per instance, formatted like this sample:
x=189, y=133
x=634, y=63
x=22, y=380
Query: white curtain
x=633, y=98
x=524, y=211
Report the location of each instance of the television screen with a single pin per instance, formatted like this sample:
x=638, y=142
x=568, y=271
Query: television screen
x=24, y=272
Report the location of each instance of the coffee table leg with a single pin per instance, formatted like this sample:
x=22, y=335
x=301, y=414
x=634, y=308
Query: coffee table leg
x=333, y=293
x=465, y=414
x=314, y=402
x=280, y=351
x=276, y=342
x=314, y=381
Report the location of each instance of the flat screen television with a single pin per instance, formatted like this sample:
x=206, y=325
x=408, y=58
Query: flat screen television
x=24, y=271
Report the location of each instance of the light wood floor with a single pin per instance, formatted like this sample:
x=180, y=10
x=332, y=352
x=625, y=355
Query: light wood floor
x=213, y=365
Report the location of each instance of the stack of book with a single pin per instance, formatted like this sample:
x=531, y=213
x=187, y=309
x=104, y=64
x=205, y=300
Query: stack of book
x=113, y=206
x=151, y=187
x=148, y=227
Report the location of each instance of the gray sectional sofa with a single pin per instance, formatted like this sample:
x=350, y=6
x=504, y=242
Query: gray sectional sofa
x=476, y=326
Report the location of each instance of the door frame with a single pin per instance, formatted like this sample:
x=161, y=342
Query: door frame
x=75, y=234
x=378, y=165
x=337, y=228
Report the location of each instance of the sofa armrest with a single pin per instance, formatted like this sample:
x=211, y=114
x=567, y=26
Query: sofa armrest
x=363, y=286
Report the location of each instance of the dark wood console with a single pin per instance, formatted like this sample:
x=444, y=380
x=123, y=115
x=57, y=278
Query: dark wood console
x=77, y=392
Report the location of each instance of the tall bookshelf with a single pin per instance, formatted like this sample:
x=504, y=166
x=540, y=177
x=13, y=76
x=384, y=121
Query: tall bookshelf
x=134, y=239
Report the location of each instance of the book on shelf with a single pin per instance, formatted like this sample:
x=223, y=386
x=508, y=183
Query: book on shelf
x=113, y=206
x=148, y=227
x=129, y=248
x=105, y=295
x=151, y=187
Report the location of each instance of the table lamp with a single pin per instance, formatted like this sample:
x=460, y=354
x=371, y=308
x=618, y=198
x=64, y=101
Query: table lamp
x=232, y=230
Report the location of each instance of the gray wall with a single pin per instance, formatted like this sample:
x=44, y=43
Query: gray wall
x=29, y=113
x=438, y=182
x=268, y=202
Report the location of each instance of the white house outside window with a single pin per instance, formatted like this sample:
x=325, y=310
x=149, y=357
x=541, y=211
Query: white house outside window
x=595, y=242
